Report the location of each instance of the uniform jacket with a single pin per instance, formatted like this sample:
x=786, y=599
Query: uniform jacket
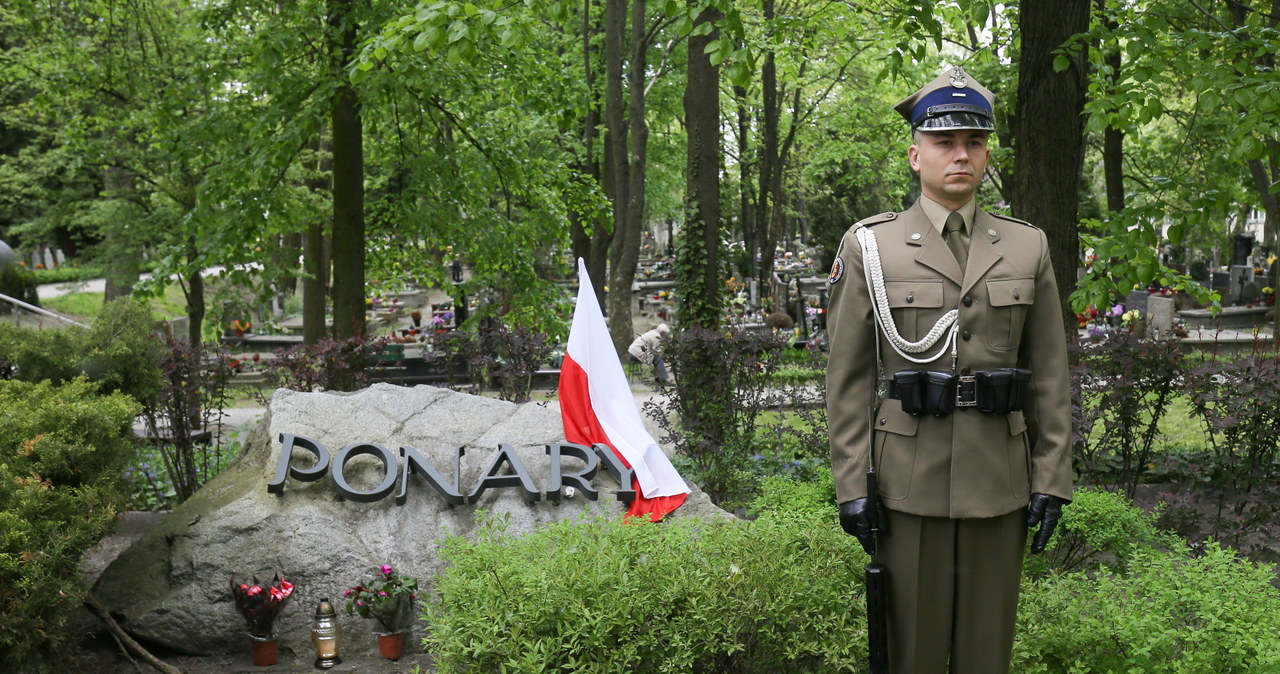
x=968, y=463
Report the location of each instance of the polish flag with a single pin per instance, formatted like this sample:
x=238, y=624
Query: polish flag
x=596, y=406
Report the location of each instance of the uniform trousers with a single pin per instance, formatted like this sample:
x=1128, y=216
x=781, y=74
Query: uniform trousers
x=953, y=592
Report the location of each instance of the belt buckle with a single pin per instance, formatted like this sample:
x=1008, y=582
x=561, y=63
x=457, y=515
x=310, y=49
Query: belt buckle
x=967, y=391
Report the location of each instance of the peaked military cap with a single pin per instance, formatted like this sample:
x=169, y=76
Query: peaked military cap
x=952, y=101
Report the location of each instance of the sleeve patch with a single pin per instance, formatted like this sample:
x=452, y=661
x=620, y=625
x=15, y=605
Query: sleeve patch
x=837, y=271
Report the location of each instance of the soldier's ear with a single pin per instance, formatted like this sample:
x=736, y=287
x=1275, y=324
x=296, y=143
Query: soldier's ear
x=913, y=156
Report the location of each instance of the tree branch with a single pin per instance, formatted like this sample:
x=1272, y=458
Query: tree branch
x=112, y=626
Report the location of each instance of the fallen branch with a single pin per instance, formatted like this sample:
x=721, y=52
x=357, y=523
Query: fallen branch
x=128, y=642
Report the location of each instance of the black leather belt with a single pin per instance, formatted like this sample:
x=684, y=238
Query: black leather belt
x=997, y=391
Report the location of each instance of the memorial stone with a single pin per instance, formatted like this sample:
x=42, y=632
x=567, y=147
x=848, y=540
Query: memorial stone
x=1137, y=299
x=171, y=586
x=1160, y=310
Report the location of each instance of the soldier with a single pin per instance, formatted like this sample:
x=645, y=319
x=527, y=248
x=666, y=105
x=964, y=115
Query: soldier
x=948, y=360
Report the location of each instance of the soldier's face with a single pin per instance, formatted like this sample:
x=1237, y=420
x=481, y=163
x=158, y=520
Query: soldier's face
x=950, y=164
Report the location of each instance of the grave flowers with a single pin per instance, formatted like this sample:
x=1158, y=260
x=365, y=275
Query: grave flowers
x=388, y=598
x=259, y=605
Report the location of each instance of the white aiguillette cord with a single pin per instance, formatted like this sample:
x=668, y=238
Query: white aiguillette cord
x=884, y=317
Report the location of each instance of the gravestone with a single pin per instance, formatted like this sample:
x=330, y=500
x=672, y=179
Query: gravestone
x=171, y=587
x=1160, y=309
x=1137, y=299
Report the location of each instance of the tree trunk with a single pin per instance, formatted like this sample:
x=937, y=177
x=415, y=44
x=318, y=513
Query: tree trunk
x=1048, y=131
x=315, y=267
x=315, y=261
x=699, y=258
x=746, y=208
x=617, y=182
x=1113, y=138
x=123, y=265
x=624, y=251
x=704, y=405
x=766, y=203
x=592, y=246
x=195, y=309
x=348, y=182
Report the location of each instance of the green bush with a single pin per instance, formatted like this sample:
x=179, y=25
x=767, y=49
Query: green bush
x=41, y=355
x=781, y=593
x=1169, y=613
x=19, y=283
x=119, y=352
x=1102, y=528
x=1116, y=594
x=69, y=273
x=731, y=424
x=62, y=449
x=786, y=496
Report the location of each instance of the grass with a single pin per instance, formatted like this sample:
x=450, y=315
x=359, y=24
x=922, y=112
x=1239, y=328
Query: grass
x=87, y=305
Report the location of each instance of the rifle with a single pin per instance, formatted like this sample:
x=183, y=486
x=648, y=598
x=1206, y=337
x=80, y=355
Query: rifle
x=877, y=576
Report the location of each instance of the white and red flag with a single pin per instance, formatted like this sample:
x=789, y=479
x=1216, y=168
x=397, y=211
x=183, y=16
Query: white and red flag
x=596, y=406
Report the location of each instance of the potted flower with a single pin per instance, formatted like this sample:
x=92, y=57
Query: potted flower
x=259, y=606
x=239, y=327
x=387, y=598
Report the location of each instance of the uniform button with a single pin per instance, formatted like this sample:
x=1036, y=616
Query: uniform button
x=991, y=232
x=915, y=236
x=1016, y=295
x=911, y=298
x=884, y=421
x=967, y=301
x=965, y=335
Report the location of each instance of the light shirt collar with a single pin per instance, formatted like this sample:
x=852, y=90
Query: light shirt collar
x=937, y=213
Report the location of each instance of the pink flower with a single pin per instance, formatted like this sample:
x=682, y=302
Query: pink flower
x=254, y=591
x=286, y=587
x=346, y=593
x=278, y=595
x=382, y=593
x=387, y=570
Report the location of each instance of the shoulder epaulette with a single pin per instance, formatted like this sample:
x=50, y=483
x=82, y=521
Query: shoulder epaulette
x=876, y=219
x=1005, y=217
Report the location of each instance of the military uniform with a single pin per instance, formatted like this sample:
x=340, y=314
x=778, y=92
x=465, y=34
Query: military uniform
x=956, y=486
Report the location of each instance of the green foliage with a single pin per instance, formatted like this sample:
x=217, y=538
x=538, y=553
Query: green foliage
x=185, y=418
x=122, y=354
x=1125, y=256
x=1102, y=529
x=62, y=449
x=776, y=594
x=499, y=356
x=69, y=273
x=40, y=355
x=18, y=283
x=1122, y=388
x=724, y=442
x=1238, y=403
x=388, y=598
x=786, y=496
x=1169, y=612
x=327, y=365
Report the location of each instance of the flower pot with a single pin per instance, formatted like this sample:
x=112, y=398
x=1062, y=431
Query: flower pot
x=391, y=645
x=265, y=650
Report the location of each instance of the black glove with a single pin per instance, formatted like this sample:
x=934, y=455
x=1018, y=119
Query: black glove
x=857, y=520
x=1044, y=510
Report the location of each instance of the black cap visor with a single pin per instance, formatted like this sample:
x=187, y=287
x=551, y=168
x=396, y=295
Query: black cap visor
x=956, y=121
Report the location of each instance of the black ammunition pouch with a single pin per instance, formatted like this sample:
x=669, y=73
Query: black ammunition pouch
x=939, y=393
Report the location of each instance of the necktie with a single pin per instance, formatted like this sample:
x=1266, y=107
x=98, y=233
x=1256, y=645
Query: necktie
x=956, y=237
